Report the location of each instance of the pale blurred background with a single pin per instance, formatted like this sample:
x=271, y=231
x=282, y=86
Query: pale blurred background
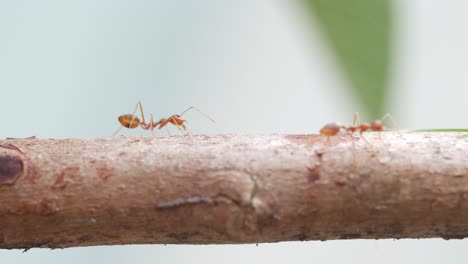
x=69, y=68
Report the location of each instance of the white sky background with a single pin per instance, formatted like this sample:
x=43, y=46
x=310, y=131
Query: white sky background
x=68, y=69
x=431, y=80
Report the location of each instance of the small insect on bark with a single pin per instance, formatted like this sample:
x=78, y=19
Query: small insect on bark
x=131, y=121
x=332, y=129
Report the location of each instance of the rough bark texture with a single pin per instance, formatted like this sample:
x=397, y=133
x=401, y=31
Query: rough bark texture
x=232, y=189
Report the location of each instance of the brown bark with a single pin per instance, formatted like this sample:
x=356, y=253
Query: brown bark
x=232, y=189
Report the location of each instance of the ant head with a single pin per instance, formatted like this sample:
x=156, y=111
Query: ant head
x=330, y=129
x=129, y=121
x=377, y=125
x=177, y=118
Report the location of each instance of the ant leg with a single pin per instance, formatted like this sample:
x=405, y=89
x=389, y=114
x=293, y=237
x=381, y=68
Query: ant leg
x=372, y=148
x=168, y=132
x=185, y=128
x=142, y=114
x=117, y=131
x=134, y=114
x=151, y=124
x=395, y=123
x=192, y=107
x=357, y=119
x=133, y=118
x=355, y=162
x=389, y=116
x=141, y=111
x=186, y=131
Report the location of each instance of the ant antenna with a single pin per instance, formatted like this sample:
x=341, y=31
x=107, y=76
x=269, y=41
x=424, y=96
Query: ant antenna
x=389, y=116
x=194, y=108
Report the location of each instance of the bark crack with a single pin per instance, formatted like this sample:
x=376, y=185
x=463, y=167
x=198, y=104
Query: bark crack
x=253, y=192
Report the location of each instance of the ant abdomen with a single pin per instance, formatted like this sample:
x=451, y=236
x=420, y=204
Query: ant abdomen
x=129, y=121
x=330, y=129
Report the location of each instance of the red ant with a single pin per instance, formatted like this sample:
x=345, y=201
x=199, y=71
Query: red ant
x=332, y=129
x=132, y=121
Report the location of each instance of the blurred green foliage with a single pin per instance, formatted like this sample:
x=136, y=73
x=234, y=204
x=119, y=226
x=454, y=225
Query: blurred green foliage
x=443, y=130
x=360, y=32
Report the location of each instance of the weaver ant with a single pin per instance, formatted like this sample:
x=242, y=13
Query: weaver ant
x=332, y=129
x=132, y=121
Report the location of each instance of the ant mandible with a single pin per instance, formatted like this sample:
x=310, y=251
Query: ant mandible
x=132, y=121
x=332, y=129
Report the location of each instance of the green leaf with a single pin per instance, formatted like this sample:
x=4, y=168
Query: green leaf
x=359, y=31
x=443, y=130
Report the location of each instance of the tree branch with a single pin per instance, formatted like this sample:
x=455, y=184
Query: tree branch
x=232, y=189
